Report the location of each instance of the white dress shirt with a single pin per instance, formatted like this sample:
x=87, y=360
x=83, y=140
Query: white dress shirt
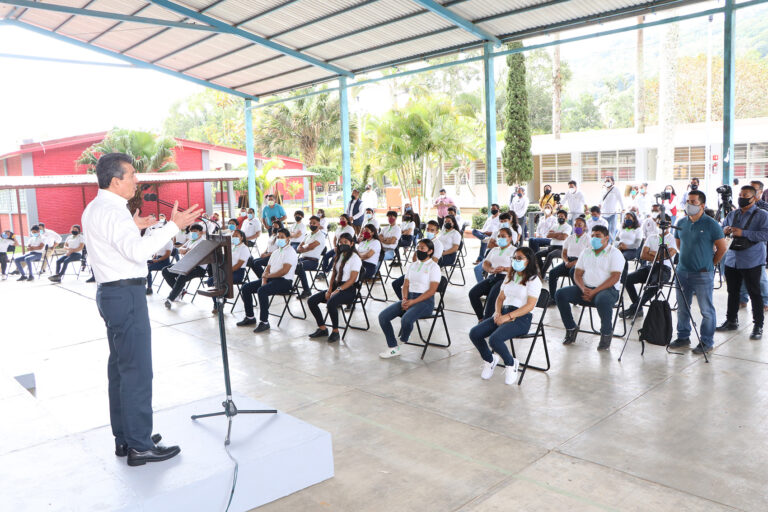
x=576, y=202
x=50, y=238
x=519, y=205
x=116, y=249
x=611, y=202
x=370, y=200
x=74, y=241
x=491, y=224
x=546, y=224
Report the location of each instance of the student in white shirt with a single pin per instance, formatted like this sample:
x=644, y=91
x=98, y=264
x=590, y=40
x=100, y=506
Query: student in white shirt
x=650, y=226
x=547, y=223
x=595, y=219
x=177, y=282
x=496, y=264
x=251, y=227
x=211, y=223
x=50, y=239
x=345, y=226
x=576, y=243
x=390, y=235
x=557, y=236
x=369, y=250
x=407, y=230
x=630, y=237
x=612, y=205
x=640, y=276
x=341, y=290
x=259, y=263
x=74, y=252
x=454, y=212
x=433, y=230
x=489, y=227
x=421, y=281
x=597, y=276
x=310, y=251
x=323, y=221
x=36, y=246
x=518, y=204
x=450, y=239
x=158, y=262
x=512, y=316
x=299, y=230
x=370, y=218
x=7, y=240
x=277, y=278
x=240, y=256
x=643, y=201
x=576, y=202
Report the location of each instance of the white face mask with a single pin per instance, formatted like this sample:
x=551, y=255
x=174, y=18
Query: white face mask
x=608, y=184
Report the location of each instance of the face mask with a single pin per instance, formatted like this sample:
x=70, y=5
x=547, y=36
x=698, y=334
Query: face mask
x=321, y=215
x=429, y=235
x=194, y=236
x=448, y=227
x=232, y=227
x=408, y=208
x=561, y=220
x=502, y=242
x=391, y=220
x=4, y=235
x=505, y=224
x=215, y=219
x=628, y=223
x=407, y=219
x=595, y=217
x=744, y=202
x=578, y=230
x=342, y=223
x=280, y=242
x=547, y=190
x=366, y=235
x=297, y=218
x=42, y=230
x=655, y=215
x=519, y=194
x=250, y=216
x=547, y=212
x=692, y=209
x=312, y=228
x=270, y=203
x=597, y=243
x=694, y=186
x=235, y=240
x=368, y=215
x=422, y=255
x=571, y=190
x=633, y=193
x=494, y=211
x=518, y=265
x=243, y=213
x=608, y=184
x=344, y=248
x=75, y=232
x=642, y=191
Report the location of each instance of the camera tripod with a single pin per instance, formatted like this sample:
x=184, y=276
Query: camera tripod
x=662, y=254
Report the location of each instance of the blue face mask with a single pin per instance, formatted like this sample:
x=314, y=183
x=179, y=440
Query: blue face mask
x=429, y=235
x=194, y=236
x=597, y=243
x=4, y=235
x=250, y=216
x=594, y=218
x=232, y=227
x=235, y=240
x=502, y=242
x=34, y=235
x=518, y=265
x=505, y=224
x=281, y=242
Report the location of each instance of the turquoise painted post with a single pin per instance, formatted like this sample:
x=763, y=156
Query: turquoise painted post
x=249, y=155
x=729, y=91
x=490, y=124
x=346, y=166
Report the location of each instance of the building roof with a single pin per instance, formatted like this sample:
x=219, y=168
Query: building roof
x=256, y=48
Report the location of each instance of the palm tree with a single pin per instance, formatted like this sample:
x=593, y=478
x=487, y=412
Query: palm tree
x=264, y=183
x=150, y=153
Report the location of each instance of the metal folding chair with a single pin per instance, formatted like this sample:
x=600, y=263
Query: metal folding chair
x=538, y=331
x=438, y=313
x=287, y=298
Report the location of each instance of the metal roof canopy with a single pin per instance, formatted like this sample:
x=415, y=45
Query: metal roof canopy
x=256, y=48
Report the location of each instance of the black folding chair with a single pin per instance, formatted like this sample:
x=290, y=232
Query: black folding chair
x=240, y=285
x=437, y=313
x=377, y=278
x=388, y=264
x=538, y=331
x=618, y=308
x=347, y=315
x=294, y=291
x=458, y=263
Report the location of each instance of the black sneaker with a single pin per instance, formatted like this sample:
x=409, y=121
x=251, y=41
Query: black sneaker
x=91, y=280
x=605, y=342
x=321, y=275
x=30, y=278
x=22, y=278
x=14, y=273
x=149, y=291
x=246, y=321
x=305, y=295
x=680, y=343
x=700, y=349
x=757, y=333
x=167, y=303
x=263, y=326
x=319, y=333
x=333, y=337
x=727, y=326
x=570, y=336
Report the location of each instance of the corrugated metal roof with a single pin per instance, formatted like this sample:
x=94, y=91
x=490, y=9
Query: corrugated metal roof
x=343, y=35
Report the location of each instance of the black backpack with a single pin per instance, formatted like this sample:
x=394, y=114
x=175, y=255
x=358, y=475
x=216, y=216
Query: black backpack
x=657, y=327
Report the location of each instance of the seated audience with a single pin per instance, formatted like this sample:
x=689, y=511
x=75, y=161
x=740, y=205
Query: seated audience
x=450, y=239
x=369, y=250
x=258, y=264
x=407, y=230
x=630, y=237
x=323, y=221
x=73, y=246
x=490, y=226
x=370, y=218
x=7, y=243
x=299, y=230
x=432, y=233
x=50, y=240
x=595, y=219
x=390, y=235
x=496, y=265
x=345, y=226
x=240, y=256
x=178, y=282
x=557, y=236
x=36, y=246
x=159, y=261
x=576, y=243
x=546, y=224
x=309, y=252
x=251, y=226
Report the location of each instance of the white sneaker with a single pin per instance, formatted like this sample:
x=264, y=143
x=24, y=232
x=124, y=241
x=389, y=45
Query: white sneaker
x=510, y=373
x=489, y=367
x=392, y=352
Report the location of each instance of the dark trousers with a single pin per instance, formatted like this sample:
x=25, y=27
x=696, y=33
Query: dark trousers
x=304, y=265
x=259, y=265
x=480, y=290
x=129, y=368
x=544, y=257
x=751, y=278
x=264, y=292
x=447, y=260
x=397, y=286
x=327, y=262
x=639, y=276
x=369, y=269
x=177, y=282
x=3, y=262
x=405, y=241
x=498, y=335
x=64, y=261
x=603, y=302
x=237, y=278
x=556, y=273
x=337, y=300
x=537, y=243
x=156, y=266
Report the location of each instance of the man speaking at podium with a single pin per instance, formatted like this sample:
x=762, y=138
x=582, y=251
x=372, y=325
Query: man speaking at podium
x=118, y=255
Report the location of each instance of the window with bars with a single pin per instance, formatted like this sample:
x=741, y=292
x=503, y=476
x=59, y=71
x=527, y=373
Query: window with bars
x=751, y=160
x=8, y=201
x=690, y=162
x=556, y=167
x=618, y=164
x=479, y=176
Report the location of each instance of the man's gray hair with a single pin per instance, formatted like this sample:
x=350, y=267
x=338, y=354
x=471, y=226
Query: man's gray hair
x=109, y=166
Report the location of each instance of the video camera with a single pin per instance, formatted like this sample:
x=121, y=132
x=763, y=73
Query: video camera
x=558, y=197
x=664, y=196
x=726, y=204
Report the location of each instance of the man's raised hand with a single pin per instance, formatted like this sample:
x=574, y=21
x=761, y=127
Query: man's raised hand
x=185, y=218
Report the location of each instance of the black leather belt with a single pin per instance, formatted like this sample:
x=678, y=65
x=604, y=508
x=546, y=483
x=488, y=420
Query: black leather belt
x=138, y=281
x=310, y=259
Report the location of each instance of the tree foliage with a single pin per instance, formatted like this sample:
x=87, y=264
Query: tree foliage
x=208, y=116
x=516, y=156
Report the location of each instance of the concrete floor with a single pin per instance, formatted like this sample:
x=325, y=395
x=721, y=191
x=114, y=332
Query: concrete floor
x=654, y=432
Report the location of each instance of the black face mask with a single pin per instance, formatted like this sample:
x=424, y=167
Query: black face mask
x=744, y=202
x=448, y=227
x=694, y=186
x=560, y=220
x=494, y=211
x=407, y=219
x=312, y=228
x=422, y=255
x=298, y=219
x=75, y=232
x=344, y=248
x=547, y=190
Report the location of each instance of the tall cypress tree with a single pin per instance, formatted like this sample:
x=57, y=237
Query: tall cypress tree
x=516, y=157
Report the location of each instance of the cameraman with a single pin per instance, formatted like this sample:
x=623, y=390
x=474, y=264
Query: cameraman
x=695, y=235
x=745, y=262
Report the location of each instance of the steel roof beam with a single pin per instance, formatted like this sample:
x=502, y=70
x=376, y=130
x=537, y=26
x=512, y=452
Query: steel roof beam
x=458, y=21
x=229, y=29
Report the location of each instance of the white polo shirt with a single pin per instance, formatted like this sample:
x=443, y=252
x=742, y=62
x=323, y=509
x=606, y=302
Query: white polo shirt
x=346, y=229
x=592, y=223
x=354, y=264
x=421, y=274
x=546, y=224
x=499, y=257
x=516, y=294
x=438, y=249
x=370, y=245
x=561, y=228
x=188, y=245
x=575, y=201
x=299, y=227
x=167, y=247
x=73, y=242
x=272, y=244
x=240, y=252
x=251, y=227
x=282, y=256
x=371, y=220
x=632, y=238
x=449, y=239
x=317, y=236
x=324, y=225
x=598, y=268
x=491, y=224
x=652, y=243
x=389, y=231
x=650, y=227
x=405, y=226
x=575, y=245
x=5, y=243
x=36, y=241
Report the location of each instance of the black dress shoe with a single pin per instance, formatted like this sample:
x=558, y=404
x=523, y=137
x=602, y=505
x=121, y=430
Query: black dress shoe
x=263, y=326
x=319, y=333
x=333, y=337
x=121, y=450
x=757, y=333
x=727, y=326
x=246, y=321
x=157, y=454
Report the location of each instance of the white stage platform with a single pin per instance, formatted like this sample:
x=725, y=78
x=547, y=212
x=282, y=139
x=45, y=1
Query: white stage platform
x=278, y=455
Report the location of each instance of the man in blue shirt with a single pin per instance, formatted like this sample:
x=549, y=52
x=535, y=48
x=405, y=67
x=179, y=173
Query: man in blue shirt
x=272, y=212
x=745, y=262
x=696, y=235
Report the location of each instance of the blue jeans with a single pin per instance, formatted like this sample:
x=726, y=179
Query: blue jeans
x=447, y=260
x=702, y=284
x=479, y=272
x=389, y=254
x=631, y=254
x=603, y=302
x=64, y=261
x=407, y=318
x=156, y=266
x=744, y=296
x=483, y=288
x=537, y=243
x=498, y=335
x=327, y=262
x=612, y=221
x=28, y=259
x=483, y=244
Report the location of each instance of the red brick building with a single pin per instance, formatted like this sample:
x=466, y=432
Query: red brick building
x=61, y=207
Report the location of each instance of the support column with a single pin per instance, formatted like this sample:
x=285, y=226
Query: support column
x=490, y=124
x=249, y=155
x=729, y=91
x=346, y=166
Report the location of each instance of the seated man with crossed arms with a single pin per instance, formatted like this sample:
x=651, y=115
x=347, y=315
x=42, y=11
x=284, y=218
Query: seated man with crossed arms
x=310, y=250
